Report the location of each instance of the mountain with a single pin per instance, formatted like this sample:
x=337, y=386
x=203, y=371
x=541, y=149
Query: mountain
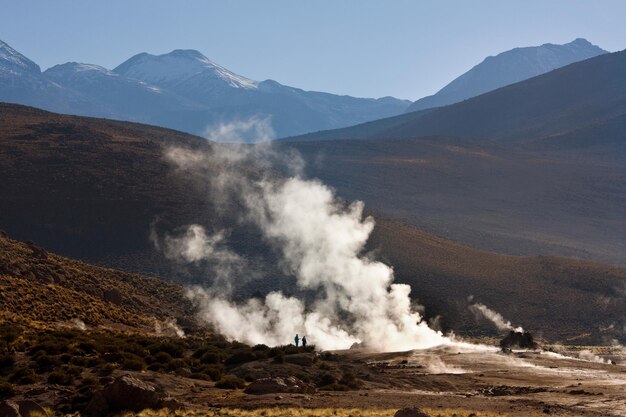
x=231, y=97
x=93, y=189
x=127, y=99
x=181, y=67
x=558, y=107
x=183, y=90
x=507, y=68
x=21, y=81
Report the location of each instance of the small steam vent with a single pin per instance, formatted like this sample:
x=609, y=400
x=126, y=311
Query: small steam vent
x=518, y=340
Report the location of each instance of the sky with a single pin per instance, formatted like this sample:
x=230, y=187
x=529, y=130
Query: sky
x=364, y=48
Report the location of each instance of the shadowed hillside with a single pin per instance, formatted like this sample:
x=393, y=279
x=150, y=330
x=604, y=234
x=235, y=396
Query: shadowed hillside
x=483, y=194
x=555, y=297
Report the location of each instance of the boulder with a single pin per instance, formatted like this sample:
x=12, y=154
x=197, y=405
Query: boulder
x=126, y=393
x=36, y=251
x=519, y=340
x=277, y=385
x=97, y=406
x=302, y=359
x=9, y=409
x=411, y=412
x=28, y=408
x=113, y=295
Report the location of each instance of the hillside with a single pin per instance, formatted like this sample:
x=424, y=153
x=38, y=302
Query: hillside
x=183, y=90
x=586, y=96
x=105, y=183
x=39, y=288
x=507, y=199
x=509, y=67
x=554, y=297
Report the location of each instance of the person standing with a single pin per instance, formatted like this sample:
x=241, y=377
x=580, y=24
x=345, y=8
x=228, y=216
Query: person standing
x=304, y=342
x=297, y=339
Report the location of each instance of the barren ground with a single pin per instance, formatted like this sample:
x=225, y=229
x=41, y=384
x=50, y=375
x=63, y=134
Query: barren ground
x=466, y=380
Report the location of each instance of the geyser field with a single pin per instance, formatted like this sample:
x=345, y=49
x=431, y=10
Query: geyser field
x=345, y=301
x=269, y=253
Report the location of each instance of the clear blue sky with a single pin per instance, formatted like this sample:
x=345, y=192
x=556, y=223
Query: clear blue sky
x=404, y=48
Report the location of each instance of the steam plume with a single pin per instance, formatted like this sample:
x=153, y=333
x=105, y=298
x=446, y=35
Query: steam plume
x=169, y=328
x=320, y=243
x=80, y=325
x=496, y=318
x=253, y=129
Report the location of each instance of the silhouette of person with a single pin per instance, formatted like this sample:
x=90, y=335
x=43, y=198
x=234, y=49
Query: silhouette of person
x=297, y=339
x=304, y=341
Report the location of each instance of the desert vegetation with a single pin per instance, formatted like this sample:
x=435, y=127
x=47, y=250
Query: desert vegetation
x=39, y=288
x=85, y=361
x=312, y=412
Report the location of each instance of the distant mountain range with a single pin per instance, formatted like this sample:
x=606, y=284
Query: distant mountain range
x=584, y=102
x=183, y=90
x=509, y=67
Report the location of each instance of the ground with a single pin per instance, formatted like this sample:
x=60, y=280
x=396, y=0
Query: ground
x=457, y=381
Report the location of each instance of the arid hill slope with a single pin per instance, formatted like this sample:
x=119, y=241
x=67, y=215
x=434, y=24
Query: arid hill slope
x=557, y=298
x=44, y=288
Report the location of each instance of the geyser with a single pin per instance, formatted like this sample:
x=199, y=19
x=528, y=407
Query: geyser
x=320, y=243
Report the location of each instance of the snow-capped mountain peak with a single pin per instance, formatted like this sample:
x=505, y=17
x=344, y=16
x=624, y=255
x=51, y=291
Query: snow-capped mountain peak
x=76, y=67
x=13, y=61
x=177, y=66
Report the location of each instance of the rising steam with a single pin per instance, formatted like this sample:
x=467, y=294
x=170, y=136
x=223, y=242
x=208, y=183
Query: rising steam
x=320, y=243
x=252, y=129
x=496, y=318
x=168, y=327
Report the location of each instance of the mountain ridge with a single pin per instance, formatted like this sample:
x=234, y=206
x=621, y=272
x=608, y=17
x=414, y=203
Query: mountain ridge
x=509, y=67
x=560, y=101
x=183, y=90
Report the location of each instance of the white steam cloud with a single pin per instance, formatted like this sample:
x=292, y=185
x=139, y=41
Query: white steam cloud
x=79, y=324
x=320, y=243
x=168, y=327
x=496, y=318
x=194, y=245
x=253, y=129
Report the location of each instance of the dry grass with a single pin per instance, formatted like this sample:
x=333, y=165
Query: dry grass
x=39, y=287
x=311, y=412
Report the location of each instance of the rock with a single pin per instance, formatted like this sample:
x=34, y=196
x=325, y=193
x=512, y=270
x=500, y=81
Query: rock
x=113, y=295
x=184, y=372
x=37, y=252
x=28, y=408
x=35, y=391
x=97, y=406
x=277, y=385
x=302, y=359
x=129, y=393
x=126, y=393
x=171, y=403
x=411, y=412
x=9, y=409
x=520, y=340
